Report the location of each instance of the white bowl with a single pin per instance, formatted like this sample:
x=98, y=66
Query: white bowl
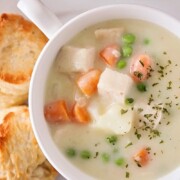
x=46, y=59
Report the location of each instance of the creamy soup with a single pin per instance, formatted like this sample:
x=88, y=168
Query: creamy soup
x=112, y=100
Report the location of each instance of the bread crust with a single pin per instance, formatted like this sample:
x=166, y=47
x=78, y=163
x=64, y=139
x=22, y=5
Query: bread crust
x=20, y=45
x=20, y=154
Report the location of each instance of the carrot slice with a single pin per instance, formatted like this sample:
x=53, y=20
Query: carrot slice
x=56, y=112
x=110, y=55
x=88, y=82
x=142, y=157
x=80, y=114
x=140, y=68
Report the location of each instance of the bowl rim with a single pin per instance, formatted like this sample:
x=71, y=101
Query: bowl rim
x=45, y=142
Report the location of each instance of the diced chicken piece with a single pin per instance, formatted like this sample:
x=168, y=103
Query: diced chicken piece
x=73, y=59
x=111, y=35
x=115, y=85
x=148, y=115
x=117, y=119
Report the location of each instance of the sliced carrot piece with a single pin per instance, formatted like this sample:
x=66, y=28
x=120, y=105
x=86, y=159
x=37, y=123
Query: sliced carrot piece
x=88, y=82
x=56, y=112
x=140, y=68
x=142, y=157
x=110, y=55
x=80, y=114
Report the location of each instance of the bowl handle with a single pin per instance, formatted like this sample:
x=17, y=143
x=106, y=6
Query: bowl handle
x=40, y=15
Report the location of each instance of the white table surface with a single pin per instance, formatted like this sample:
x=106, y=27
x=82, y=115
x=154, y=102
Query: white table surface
x=66, y=9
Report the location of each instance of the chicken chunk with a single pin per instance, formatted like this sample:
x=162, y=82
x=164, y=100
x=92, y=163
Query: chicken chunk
x=74, y=59
x=111, y=35
x=114, y=85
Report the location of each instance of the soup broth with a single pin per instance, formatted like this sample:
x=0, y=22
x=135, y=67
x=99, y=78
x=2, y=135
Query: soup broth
x=146, y=147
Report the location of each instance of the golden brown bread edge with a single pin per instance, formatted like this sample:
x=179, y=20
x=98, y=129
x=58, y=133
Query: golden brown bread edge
x=20, y=155
x=20, y=45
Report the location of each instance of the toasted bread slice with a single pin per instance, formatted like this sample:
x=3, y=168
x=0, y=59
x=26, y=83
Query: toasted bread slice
x=20, y=45
x=20, y=154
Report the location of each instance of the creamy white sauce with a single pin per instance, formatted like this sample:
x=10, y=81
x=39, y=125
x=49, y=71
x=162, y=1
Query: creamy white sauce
x=164, y=153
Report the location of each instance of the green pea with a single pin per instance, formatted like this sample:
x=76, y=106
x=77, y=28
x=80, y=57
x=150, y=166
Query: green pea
x=129, y=101
x=127, y=50
x=128, y=38
x=141, y=87
x=120, y=161
x=105, y=157
x=121, y=64
x=70, y=152
x=85, y=154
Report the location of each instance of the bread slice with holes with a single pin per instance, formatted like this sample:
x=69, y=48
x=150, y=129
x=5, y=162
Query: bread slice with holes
x=20, y=155
x=20, y=45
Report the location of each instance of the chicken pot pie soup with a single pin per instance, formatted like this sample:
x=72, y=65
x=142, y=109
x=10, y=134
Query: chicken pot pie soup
x=112, y=100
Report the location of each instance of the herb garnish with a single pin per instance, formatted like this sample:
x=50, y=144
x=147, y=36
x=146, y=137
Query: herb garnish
x=129, y=101
x=141, y=63
x=165, y=111
x=154, y=84
x=150, y=99
x=154, y=134
x=138, y=74
x=112, y=139
x=129, y=144
x=148, y=149
x=169, y=85
x=139, y=110
x=147, y=116
x=96, y=155
x=123, y=111
x=127, y=174
x=169, y=61
x=137, y=134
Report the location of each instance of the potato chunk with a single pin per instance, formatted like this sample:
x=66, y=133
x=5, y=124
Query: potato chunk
x=74, y=59
x=117, y=118
x=115, y=85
